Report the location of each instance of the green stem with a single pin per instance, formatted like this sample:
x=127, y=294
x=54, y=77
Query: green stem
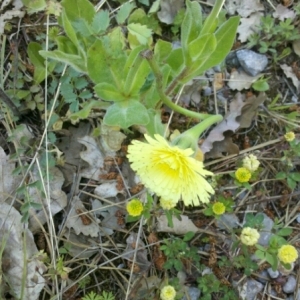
x=148, y=54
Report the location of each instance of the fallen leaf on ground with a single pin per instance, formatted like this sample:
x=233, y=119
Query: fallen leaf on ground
x=296, y=47
x=180, y=226
x=240, y=80
x=248, y=26
x=168, y=10
x=247, y=7
x=283, y=12
x=288, y=71
x=18, y=249
x=112, y=138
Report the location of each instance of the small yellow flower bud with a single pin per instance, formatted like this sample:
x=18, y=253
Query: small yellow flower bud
x=218, y=208
x=167, y=293
x=287, y=254
x=134, y=207
x=251, y=163
x=249, y=236
x=289, y=136
x=242, y=175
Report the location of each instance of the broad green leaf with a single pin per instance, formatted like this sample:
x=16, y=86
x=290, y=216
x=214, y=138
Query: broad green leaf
x=291, y=183
x=83, y=28
x=65, y=45
x=69, y=29
x=137, y=69
x=191, y=24
x=162, y=50
x=141, y=32
x=281, y=175
x=260, y=254
x=295, y=176
x=116, y=41
x=86, y=110
x=155, y=125
x=101, y=21
x=79, y=9
x=225, y=36
x=285, y=231
x=211, y=21
x=201, y=48
x=125, y=114
x=124, y=12
x=75, y=61
x=34, y=6
x=188, y=236
x=176, y=61
x=108, y=92
x=261, y=85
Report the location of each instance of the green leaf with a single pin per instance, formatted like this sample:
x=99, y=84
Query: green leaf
x=101, y=21
x=83, y=28
x=281, y=175
x=141, y=32
x=79, y=9
x=188, y=236
x=136, y=71
x=75, y=61
x=125, y=114
x=294, y=176
x=285, y=231
x=162, y=50
x=200, y=49
x=176, y=61
x=109, y=92
x=64, y=44
x=261, y=85
x=192, y=24
x=124, y=12
x=211, y=21
x=291, y=183
x=37, y=60
x=260, y=254
x=69, y=29
x=34, y=6
x=155, y=125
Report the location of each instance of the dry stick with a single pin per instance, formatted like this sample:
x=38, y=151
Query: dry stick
x=9, y=103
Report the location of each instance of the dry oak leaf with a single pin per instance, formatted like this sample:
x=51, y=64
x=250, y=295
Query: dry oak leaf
x=248, y=26
x=240, y=115
x=288, y=71
x=247, y=7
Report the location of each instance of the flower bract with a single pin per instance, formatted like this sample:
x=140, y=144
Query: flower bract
x=289, y=136
x=218, y=208
x=287, y=254
x=167, y=293
x=167, y=204
x=170, y=171
x=134, y=207
x=249, y=236
x=242, y=174
x=251, y=163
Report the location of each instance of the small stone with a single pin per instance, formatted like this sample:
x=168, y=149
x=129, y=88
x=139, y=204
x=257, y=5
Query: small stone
x=194, y=293
x=265, y=233
x=273, y=274
x=298, y=295
x=298, y=218
x=253, y=288
x=263, y=277
x=227, y=222
x=290, y=285
x=253, y=63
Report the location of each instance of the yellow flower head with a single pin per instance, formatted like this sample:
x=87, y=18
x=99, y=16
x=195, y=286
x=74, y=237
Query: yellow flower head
x=289, y=136
x=249, y=236
x=170, y=171
x=287, y=254
x=134, y=207
x=242, y=175
x=167, y=293
x=251, y=163
x=218, y=208
x=167, y=204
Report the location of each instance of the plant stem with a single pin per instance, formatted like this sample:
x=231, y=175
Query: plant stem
x=148, y=54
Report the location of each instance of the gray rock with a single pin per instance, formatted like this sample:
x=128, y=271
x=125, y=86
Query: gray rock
x=298, y=218
x=298, y=295
x=194, y=293
x=290, y=286
x=253, y=63
x=265, y=233
x=273, y=274
x=227, y=222
x=253, y=288
x=263, y=277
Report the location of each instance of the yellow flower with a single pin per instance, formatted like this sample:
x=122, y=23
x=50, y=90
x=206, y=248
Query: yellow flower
x=167, y=204
x=134, y=207
x=289, y=136
x=251, y=163
x=170, y=171
x=287, y=254
x=249, y=236
x=242, y=175
x=218, y=208
x=167, y=293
